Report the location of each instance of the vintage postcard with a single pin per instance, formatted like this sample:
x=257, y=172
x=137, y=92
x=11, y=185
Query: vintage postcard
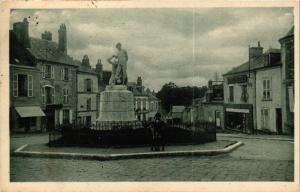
x=149, y=96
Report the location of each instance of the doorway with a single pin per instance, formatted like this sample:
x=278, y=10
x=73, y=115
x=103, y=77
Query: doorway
x=218, y=119
x=279, y=121
x=50, y=119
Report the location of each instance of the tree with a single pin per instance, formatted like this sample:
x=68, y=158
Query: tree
x=170, y=94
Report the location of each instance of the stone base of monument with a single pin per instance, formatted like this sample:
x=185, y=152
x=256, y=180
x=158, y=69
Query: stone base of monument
x=116, y=105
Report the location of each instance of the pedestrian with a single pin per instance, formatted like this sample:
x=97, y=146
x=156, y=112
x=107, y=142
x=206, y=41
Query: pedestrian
x=159, y=132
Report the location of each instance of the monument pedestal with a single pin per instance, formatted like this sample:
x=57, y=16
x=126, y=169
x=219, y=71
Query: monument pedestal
x=116, y=104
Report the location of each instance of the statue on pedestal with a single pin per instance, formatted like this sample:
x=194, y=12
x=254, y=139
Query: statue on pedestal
x=119, y=66
x=116, y=102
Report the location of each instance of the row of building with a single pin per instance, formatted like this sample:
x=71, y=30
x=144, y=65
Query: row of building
x=49, y=88
x=256, y=96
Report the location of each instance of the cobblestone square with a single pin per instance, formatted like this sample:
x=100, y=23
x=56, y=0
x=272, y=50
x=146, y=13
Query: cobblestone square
x=256, y=160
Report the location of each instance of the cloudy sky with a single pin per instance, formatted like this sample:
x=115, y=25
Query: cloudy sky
x=184, y=46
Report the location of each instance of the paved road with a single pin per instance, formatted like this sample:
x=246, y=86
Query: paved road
x=257, y=160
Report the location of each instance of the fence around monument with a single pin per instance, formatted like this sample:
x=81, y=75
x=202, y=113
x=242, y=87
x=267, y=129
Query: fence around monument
x=128, y=133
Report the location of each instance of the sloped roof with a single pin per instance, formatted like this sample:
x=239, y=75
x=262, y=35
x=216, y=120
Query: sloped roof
x=256, y=63
x=86, y=69
x=136, y=92
x=289, y=34
x=48, y=50
x=177, y=109
x=152, y=97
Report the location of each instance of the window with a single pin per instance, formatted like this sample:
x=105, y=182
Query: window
x=265, y=118
x=22, y=85
x=244, y=96
x=66, y=96
x=88, y=120
x=66, y=116
x=48, y=95
x=266, y=89
x=144, y=104
x=88, y=104
x=30, y=86
x=231, y=93
x=65, y=74
x=138, y=104
x=49, y=71
x=88, y=85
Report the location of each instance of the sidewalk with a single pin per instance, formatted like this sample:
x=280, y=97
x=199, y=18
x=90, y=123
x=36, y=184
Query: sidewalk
x=43, y=151
x=247, y=136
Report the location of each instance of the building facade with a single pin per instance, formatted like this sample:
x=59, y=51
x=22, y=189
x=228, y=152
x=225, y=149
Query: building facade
x=253, y=93
x=57, y=74
x=25, y=106
x=268, y=99
x=288, y=81
x=87, y=93
x=210, y=108
x=146, y=105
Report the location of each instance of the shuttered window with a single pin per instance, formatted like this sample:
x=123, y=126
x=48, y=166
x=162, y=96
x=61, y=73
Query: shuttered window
x=43, y=94
x=43, y=71
x=267, y=89
x=66, y=95
x=15, y=85
x=88, y=104
x=53, y=95
x=88, y=85
x=52, y=72
x=62, y=74
x=30, y=86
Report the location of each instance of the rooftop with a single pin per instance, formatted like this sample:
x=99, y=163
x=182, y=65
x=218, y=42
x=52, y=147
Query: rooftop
x=48, y=51
x=18, y=55
x=256, y=63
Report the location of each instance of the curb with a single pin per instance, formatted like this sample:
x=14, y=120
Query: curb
x=19, y=152
x=262, y=138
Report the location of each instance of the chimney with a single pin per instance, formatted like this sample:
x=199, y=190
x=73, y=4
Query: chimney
x=99, y=66
x=62, y=39
x=255, y=51
x=139, y=81
x=47, y=35
x=86, y=61
x=21, y=29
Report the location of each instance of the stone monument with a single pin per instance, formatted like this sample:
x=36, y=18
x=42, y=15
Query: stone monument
x=116, y=102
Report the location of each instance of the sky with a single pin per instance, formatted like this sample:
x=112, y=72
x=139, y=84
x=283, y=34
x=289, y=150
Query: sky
x=184, y=46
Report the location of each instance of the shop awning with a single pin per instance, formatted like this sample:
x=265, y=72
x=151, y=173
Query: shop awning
x=237, y=110
x=30, y=111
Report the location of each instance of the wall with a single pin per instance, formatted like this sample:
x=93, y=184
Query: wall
x=287, y=80
x=24, y=101
x=238, y=89
x=59, y=84
x=238, y=92
x=205, y=112
x=275, y=75
x=155, y=107
x=80, y=81
x=83, y=96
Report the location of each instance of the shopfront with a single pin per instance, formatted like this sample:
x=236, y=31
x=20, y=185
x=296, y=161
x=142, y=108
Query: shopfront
x=239, y=118
x=28, y=119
